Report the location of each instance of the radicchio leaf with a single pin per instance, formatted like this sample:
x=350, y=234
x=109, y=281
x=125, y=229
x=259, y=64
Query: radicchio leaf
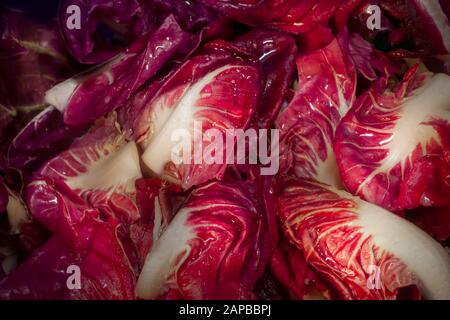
x=216, y=246
x=326, y=90
x=392, y=147
x=218, y=89
x=100, y=167
x=362, y=250
x=92, y=94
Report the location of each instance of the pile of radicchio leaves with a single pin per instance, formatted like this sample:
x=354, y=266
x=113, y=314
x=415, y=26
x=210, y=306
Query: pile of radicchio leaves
x=360, y=206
